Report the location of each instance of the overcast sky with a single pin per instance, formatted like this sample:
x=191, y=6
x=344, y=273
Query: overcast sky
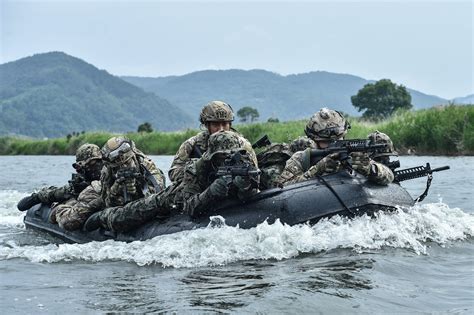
x=425, y=45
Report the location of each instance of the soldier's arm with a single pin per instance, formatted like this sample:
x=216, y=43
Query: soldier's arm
x=293, y=171
x=176, y=172
x=51, y=194
x=88, y=202
x=382, y=174
x=196, y=199
x=156, y=172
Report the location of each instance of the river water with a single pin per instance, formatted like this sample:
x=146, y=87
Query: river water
x=417, y=259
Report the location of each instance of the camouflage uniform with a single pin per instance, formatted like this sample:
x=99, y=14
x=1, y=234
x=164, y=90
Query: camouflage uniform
x=148, y=175
x=297, y=169
x=190, y=194
x=72, y=214
x=138, y=212
x=194, y=147
x=272, y=160
x=48, y=195
x=324, y=126
x=201, y=189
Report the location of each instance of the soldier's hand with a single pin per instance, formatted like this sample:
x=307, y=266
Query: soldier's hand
x=117, y=187
x=361, y=163
x=219, y=188
x=330, y=164
x=242, y=182
x=130, y=183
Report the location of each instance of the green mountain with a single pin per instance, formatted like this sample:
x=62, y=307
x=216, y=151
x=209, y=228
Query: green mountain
x=53, y=94
x=285, y=97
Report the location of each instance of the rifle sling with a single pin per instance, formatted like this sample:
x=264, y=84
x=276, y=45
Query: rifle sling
x=321, y=179
x=149, y=176
x=425, y=193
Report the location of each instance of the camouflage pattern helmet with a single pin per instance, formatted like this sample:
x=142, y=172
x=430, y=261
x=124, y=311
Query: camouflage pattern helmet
x=226, y=142
x=118, y=150
x=301, y=144
x=327, y=124
x=378, y=137
x=86, y=153
x=216, y=111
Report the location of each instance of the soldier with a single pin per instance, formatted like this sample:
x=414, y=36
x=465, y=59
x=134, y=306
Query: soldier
x=198, y=190
x=72, y=214
x=323, y=127
x=273, y=159
x=215, y=116
x=128, y=174
x=383, y=155
x=202, y=188
x=88, y=166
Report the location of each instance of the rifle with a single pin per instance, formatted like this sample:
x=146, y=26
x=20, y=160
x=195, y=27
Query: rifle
x=417, y=172
x=77, y=183
x=393, y=165
x=344, y=148
x=234, y=166
x=124, y=174
x=262, y=142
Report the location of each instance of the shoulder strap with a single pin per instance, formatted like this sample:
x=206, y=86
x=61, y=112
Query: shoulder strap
x=149, y=176
x=306, y=160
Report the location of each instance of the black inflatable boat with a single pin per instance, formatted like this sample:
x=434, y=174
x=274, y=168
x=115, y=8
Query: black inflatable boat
x=310, y=201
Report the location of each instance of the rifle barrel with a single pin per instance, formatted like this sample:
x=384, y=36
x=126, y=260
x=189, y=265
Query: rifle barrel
x=442, y=168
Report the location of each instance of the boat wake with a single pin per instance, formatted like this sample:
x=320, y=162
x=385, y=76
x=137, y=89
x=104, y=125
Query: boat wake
x=219, y=244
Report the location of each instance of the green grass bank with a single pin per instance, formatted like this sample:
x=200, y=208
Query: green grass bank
x=444, y=130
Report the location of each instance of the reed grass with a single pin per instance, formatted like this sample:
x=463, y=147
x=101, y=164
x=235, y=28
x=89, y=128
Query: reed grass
x=443, y=130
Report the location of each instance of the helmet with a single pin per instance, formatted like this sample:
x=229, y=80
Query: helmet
x=86, y=153
x=378, y=137
x=216, y=111
x=118, y=150
x=223, y=142
x=327, y=124
x=301, y=144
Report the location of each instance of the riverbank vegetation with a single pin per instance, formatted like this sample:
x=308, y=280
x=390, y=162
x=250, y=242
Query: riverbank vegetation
x=443, y=130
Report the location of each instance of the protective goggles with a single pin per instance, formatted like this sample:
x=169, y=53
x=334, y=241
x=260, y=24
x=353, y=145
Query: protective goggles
x=119, y=152
x=328, y=132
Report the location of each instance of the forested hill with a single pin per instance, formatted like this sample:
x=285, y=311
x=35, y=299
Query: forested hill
x=285, y=97
x=53, y=94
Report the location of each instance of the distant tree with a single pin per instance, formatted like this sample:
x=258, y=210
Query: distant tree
x=145, y=127
x=247, y=114
x=381, y=99
x=273, y=120
x=68, y=137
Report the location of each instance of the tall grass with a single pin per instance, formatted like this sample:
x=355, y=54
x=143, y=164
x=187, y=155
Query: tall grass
x=446, y=130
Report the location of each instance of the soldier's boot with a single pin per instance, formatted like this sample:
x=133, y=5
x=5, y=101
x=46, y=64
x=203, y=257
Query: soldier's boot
x=28, y=202
x=93, y=222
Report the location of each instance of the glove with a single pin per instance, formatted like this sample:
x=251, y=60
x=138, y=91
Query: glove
x=242, y=183
x=329, y=164
x=117, y=187
x=78, y=183
x=131, y=187
x=361, y=163
x=219, y=188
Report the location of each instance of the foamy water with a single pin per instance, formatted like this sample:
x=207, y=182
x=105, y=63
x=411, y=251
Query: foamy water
x=219, y=244
x=413, y=260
